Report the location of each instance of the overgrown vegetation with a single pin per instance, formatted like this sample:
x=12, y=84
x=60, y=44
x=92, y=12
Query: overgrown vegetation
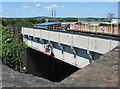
x=103, y=24
x=21, y=22
x=78, y=23
x=29, y=22
x=63, y=20
x=11, y=49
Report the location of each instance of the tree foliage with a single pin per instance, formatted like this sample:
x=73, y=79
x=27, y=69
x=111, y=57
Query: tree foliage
x=103, y=24
x=21, y=22
x=11, y=50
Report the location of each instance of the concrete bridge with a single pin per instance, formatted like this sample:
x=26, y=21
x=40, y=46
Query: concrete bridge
x=78, y=49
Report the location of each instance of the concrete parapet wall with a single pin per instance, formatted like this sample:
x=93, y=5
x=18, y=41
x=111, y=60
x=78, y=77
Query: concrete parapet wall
x=98, y=29
x=95, y=44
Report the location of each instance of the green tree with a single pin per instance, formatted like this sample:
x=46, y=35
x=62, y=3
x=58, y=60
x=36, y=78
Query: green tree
x=32, y=20
x=42, y=21
x=5, y=23
x=11, y=50
x=23, y=23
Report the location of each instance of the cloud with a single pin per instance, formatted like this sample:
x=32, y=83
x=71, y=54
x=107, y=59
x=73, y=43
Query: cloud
x=113, y=0
x=52, y=6
x=16, y=9
x=35, y=0
x=89, y=8
x=25, y=6
x=58, y=0
x=37, y=5
x=62, y=6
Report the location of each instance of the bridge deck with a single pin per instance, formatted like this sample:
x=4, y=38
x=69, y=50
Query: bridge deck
x=73, y=47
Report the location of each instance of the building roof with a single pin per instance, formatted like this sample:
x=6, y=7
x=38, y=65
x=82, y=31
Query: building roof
x=46, y=24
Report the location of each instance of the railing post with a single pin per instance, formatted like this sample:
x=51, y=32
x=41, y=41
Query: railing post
x=74, y=51
x=71, y=41
x=110, y=45
x=85, y=27
x=40, y=35
x=111, y=28
x=88, y=52
x=62, y=48
x=49, y=36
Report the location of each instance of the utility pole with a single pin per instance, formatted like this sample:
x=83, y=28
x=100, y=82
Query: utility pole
x=110, y=16
x=54, y=14
x=79, y=20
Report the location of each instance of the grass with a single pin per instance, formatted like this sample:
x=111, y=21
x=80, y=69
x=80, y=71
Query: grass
x=0, y=62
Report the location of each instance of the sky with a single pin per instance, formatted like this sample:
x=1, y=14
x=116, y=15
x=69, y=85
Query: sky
x=63, y=9
x=60, y=0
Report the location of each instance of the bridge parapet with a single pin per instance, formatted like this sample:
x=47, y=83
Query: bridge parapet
x=74, y=48
x=97, y=29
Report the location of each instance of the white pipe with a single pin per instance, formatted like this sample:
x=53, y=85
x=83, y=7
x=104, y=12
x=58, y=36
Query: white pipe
x=62, y=50
x=73, y=49
x=88, y=52
x=75, y=55
x=60, y=46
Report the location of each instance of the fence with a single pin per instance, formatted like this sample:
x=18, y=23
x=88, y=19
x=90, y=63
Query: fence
x=98, y=29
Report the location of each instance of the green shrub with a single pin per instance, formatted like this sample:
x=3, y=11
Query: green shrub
x=104, y=24
x=78, y=23
x=11, y=50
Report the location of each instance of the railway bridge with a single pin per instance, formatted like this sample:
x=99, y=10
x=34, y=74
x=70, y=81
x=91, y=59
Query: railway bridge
x=78, y=48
